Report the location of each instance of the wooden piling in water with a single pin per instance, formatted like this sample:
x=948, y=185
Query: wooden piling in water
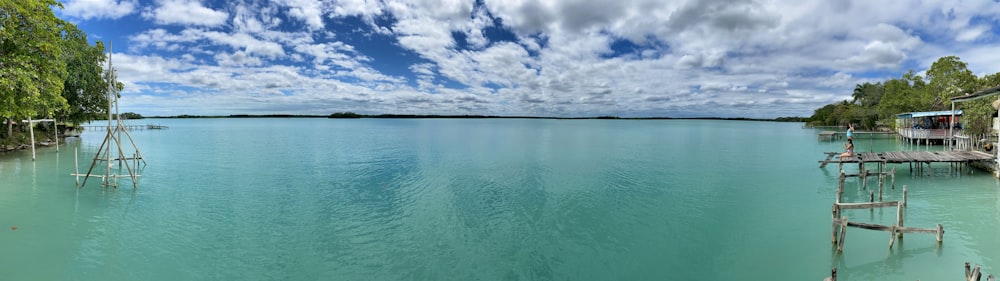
x=836, y=214
x=892, y=236
x=833, y=275
x=840, y=185
x=863, y=173
x=843, y=233
x=881, y=181
x=904, y=196
x=899, y=219
x=968, y=270
x=893, y=178
x=940, y=233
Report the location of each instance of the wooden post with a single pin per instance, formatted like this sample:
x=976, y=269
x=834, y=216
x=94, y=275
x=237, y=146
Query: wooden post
x=892, y=236
x=899, y=218
x=55, y=126
x=840, y=185
x=864, y=178
x=843, y=233
x=833, y=275
x=871, y=196
x=881, y=181
x=836, y=214
x=940, y=233
x=893, y=178
x=968, y=271
x=903, y=202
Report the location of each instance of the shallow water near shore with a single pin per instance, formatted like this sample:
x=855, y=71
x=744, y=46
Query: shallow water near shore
x=479, y=199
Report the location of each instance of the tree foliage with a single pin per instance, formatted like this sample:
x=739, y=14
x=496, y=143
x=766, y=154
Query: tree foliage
x=85, y=86
x=48, y=68
x=875, y=104
x=31, y=62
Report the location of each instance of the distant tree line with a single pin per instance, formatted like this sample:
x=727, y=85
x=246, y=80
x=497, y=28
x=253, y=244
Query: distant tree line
x=874, y=105
x=349, y=114
x=48, y=68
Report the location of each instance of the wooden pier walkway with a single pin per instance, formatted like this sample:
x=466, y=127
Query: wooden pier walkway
x=127, y=127
x=910, y=157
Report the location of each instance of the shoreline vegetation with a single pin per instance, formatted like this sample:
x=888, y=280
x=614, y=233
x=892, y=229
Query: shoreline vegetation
x=351, y=115
x=874, y=105
x=20, y=139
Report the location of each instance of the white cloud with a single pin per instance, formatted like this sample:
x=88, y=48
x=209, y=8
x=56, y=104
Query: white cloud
x=98, y=9
x=880, y=54
x=160, y=38
x=709, y=57
x=239, y=58
x=185, y=12
x=307, y=11
x=839, y=80
x=972, y=33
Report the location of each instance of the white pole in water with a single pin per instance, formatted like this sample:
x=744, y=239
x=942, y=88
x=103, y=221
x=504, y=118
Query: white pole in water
x=951, y=126
x=55, y=125
x=31, y=128
x=76, y=166
x=111, y=135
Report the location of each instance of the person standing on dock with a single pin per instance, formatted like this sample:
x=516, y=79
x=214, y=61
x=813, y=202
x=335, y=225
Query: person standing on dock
x=849, y=146
x=850, y=131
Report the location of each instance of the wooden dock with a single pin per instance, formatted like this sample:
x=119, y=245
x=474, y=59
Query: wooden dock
x=127, y=127
x=909, y=157
x=960, y=160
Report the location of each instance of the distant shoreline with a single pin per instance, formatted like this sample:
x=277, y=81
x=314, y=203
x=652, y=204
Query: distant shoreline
x=433, y=116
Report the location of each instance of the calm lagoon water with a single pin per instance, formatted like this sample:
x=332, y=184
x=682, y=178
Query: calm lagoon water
x=478, y=199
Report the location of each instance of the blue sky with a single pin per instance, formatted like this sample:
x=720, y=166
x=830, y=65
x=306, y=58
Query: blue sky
x=738, y=58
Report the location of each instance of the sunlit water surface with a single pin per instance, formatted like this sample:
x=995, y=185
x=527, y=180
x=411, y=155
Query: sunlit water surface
x=478, y=199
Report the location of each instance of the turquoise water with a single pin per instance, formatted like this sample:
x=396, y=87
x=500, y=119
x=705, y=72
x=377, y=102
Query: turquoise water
x=478, y=199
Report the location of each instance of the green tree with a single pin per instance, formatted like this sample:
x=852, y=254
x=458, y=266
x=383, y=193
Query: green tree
x=905, y=94
x=31, y=65
x=989, y=81
x=85, y=87
x=866, y=97
x=978, y=114
x=868, y=94
x=949, y=77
